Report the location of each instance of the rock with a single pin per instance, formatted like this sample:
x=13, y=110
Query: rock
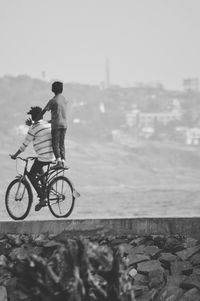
x=159, y=241
x=19, y=253
x=138, y=241
x=149, y=296
x=173, y=244
x=191, y=295
x=125, y=249
x=187, y=253
x=2, y=236
x=137, y=250
x=14, y=240
x=196, y=271
x=41, y=240
x=3, y=261
x=156, y=278
x=190, y=242
x=175, y=280
x=181, y=267
x=140, y=279
x=190, y=282
x=51, y=244
x=11, y=288
x=118, y=241
x=3, y=293
x=195, y=259
x=167, y=258
x=132, y=273
x=5, y=248
x=135, y=259
x=146, y=267
x=152, y=251
x=140, y=290
x=170, y=293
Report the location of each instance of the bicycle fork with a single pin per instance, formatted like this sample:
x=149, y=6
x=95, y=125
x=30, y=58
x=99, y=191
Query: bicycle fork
x=20, y=197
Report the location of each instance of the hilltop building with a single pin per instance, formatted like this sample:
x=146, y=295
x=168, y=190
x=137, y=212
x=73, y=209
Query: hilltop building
x=146, y=119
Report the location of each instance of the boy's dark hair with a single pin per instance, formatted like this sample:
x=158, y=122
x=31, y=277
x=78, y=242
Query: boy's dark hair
x=57, y=87
x=35, y=112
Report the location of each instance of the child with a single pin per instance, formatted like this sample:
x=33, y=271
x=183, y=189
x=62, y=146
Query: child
x=58, y=107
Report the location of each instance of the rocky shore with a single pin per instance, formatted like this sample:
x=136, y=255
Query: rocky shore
x=99, y=267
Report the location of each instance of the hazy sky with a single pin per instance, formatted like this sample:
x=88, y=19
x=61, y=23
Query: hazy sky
x=145, y=40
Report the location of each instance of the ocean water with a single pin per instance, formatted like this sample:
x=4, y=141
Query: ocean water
x=116, y=182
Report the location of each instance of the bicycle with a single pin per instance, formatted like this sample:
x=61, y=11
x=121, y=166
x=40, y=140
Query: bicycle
x=19, y=195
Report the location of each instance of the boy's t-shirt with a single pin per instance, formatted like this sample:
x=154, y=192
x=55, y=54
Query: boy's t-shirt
x=58, y=107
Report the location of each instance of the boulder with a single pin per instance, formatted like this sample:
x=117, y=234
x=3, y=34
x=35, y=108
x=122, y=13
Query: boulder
x=187, y=253
x=140, y=279
x=167, y=259
x=175, y=280
x=132, y=273
x=195, y=259
x=190, y=282
x=125, y=249
x=148, y=266
x=140, y=290
x=181, y=267
x=156, y=278
x=137, y=258
x=170, y=293
x=173, y=244
x=3, y=293
x=190, y=242
x=152, y=251
x=191, y=295
x=149, y=296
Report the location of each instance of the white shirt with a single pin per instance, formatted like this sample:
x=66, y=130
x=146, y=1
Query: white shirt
x=40, y=134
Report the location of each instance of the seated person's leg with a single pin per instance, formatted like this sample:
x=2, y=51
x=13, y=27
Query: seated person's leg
x=33, y=176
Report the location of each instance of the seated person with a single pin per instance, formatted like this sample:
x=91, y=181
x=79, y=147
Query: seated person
x=40, y=134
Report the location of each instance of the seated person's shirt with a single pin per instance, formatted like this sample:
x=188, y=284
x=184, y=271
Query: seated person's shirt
x=40, y=134
x=58, y=107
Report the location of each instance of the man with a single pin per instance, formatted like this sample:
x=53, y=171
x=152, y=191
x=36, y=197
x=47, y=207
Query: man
x=58, y=107
x=40, y=134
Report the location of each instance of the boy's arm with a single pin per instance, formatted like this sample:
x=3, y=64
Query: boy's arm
x=41, y=114
x=47, y=108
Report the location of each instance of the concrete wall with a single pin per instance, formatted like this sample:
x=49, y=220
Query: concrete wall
x=134, y=226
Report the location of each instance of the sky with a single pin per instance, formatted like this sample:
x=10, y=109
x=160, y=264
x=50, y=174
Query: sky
x=144, y=40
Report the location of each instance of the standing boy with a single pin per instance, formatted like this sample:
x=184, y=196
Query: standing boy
x=58, y=107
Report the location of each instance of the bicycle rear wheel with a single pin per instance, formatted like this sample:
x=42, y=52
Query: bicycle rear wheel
x=18, y=199
x=60, y=197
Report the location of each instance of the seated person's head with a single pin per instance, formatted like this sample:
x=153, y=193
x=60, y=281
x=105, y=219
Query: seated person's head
x=57, y=87
x=34, y=112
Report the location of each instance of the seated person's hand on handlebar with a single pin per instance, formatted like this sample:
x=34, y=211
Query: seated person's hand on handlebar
x=13, y=156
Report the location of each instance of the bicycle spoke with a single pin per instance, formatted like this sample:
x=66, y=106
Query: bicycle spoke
x=61, y=200
x=18, y=199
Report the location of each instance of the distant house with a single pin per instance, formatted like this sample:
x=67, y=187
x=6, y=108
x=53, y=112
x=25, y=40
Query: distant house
x=149, y=119
x=193, y=136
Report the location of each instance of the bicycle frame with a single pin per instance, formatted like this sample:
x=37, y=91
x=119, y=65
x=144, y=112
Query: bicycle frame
x=52, y=183
x=25, y=174
x=48, y=176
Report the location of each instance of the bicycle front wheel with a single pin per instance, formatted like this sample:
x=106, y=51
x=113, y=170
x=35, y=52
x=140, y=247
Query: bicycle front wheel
x=18, y=199
x=60, y=197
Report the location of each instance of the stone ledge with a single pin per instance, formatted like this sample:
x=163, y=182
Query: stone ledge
x=138, y=226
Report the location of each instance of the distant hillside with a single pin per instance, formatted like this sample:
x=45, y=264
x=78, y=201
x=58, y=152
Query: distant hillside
x=93, y=112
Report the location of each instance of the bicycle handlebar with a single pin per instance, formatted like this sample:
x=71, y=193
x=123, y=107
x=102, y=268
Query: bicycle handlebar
x=26, y=159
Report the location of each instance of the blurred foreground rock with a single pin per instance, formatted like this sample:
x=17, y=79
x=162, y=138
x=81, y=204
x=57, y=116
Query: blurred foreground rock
x=98, y=268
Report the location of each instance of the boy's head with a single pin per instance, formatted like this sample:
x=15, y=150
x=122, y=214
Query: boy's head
x=34, y=112
x=57, y=87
